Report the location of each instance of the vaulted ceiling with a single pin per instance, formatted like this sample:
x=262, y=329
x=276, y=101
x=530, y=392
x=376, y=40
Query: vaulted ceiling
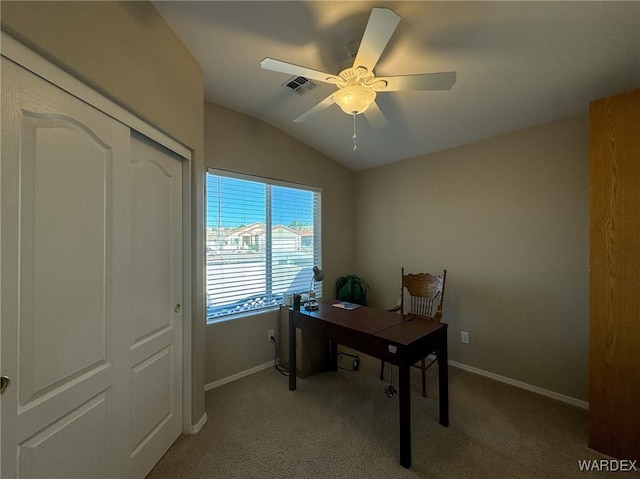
x=518, y=64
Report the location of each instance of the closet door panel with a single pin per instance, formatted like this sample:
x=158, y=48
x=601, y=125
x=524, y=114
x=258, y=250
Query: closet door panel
x=155, y=332
x=62, y=166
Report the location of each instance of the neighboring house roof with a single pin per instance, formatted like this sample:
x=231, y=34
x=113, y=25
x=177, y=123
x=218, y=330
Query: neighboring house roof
x=256, y=229
x=250, y=229
x=282, y=228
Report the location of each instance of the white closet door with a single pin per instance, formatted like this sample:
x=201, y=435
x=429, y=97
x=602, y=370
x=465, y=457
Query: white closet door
x=62, y=166
x=90, y=336
x=154, y=336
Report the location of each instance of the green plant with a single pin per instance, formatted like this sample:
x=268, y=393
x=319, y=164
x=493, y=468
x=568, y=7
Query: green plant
x=352, y=288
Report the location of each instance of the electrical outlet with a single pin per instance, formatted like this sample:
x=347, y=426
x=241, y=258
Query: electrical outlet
x=270, y=335
x=464, y=337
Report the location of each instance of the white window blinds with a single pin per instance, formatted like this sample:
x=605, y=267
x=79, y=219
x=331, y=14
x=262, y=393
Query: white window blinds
x=263, y=239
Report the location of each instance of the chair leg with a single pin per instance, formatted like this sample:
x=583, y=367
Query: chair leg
x=424, y=378
x=381, y=370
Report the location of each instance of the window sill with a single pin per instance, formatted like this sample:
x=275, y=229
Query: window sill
x=245, y=314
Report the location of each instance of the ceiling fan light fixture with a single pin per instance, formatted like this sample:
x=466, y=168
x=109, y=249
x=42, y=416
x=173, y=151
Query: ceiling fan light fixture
x=354, y=99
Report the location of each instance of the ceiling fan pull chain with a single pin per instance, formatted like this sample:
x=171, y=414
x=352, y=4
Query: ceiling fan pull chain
x=355, y=146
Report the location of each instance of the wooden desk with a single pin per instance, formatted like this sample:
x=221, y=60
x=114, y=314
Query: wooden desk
x=388, y=336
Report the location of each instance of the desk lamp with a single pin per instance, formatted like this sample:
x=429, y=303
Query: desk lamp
x=312, y=304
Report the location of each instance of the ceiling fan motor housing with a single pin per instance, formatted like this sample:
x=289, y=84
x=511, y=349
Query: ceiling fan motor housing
x=357, y=89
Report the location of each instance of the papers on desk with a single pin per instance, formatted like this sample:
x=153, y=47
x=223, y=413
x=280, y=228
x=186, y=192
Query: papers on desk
x=345, y=305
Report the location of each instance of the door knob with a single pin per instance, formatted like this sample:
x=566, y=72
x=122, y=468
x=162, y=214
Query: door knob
x=177, y=308
x=4, y=384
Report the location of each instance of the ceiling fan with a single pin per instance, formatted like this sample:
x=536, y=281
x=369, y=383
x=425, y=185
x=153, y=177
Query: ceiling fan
x=358, y=85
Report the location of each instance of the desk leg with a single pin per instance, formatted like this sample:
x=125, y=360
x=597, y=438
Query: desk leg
x=333, y=355
x=293, y=367
x=443, y=381
x=404, y=399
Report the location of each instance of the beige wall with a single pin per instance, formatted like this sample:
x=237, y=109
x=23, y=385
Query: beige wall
x=126, y=51
x=236, y=142
x=507, y=217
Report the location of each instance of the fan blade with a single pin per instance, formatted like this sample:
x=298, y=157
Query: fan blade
x=425, y=81
x=382, y=23
x=374, y=116
x=327, y=102
x=291, y=69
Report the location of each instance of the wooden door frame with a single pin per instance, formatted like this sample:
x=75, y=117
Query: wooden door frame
x=30, y=60
x=613, y=305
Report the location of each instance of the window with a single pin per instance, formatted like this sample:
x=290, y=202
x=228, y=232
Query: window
x=263, y=239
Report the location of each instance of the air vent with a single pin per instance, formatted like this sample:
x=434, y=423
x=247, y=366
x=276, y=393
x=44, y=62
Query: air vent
x=300, y=85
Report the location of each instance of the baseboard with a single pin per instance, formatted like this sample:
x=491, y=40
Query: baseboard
x=503, y=379
x=240, y=375
x=522, y=385
x=195, y=428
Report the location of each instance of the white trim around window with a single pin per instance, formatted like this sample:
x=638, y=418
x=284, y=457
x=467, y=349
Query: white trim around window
x=263, y=238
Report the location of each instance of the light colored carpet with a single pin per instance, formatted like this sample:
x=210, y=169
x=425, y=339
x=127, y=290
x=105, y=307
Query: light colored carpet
x=341, y=425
